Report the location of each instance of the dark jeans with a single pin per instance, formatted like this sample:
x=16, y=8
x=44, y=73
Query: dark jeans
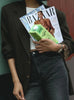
x=49, y=79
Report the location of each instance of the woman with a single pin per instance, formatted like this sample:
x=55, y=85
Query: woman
x=40, y=73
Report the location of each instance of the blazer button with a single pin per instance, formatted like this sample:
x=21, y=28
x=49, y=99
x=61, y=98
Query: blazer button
x=28, y=76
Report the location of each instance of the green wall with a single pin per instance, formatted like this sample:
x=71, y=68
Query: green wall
x=3, y=64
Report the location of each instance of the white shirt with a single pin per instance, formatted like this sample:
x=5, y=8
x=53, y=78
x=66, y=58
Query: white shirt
x=32, y=45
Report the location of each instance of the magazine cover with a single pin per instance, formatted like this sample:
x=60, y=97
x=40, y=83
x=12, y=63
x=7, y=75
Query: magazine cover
x=43, y=24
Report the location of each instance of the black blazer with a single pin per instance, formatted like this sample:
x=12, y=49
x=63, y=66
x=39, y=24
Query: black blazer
x=16, y=40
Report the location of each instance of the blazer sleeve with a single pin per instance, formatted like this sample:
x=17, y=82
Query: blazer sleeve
x=7, y=48
x=65, y=32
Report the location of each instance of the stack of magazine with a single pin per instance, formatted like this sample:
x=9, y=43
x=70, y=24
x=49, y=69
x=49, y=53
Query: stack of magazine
x=43, y=23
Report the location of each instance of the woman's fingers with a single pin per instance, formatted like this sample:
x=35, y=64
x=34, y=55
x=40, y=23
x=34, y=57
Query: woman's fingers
x=22, y=94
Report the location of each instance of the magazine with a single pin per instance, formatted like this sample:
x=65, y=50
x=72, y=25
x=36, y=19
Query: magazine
x=43, y=23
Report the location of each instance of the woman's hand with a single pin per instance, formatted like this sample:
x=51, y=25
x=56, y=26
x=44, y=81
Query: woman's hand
x=45, y=45
x=18, y=91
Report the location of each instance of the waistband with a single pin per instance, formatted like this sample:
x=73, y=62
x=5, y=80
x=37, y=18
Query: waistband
x=45, y=53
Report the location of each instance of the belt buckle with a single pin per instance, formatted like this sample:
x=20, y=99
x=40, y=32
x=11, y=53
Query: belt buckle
x=33, y=52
